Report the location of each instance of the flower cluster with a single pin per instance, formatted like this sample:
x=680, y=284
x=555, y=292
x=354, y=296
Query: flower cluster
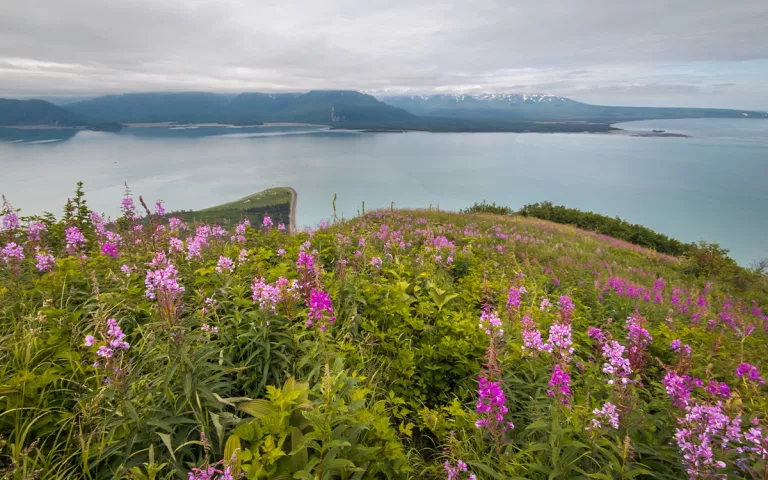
x=607, y=414
x=163, y=282
x=560, y=342
x=749, y=373
x=225, y=264
x=12, y=252
x=266, y=295
x=44, y=261
x=75, y=240
x=454, y=473
x=266, y=223
x=513, y=298
x=376, y=262
x=566, y=307
x=491, y=405
x=320, y=308
x=616, y=365
x=532, y=342
x=490, y=323
x=560, y=385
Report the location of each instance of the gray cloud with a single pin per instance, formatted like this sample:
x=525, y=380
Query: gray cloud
x=704, y=52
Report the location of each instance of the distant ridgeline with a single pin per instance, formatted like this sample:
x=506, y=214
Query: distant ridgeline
x=274, y=203
x=346, y=109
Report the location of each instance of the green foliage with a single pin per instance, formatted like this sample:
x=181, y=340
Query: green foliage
x=614, y=227
x=389, y=389
x=488, y=208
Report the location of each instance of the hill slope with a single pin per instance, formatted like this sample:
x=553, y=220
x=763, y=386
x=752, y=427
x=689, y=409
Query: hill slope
x=399, y=344
x=37, y=112
x=325, y=107
x=541, y=107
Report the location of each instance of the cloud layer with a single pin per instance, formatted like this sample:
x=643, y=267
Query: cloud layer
x=686, y=52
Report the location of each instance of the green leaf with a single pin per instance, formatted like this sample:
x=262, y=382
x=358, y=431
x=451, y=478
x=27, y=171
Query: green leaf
x=258, y=408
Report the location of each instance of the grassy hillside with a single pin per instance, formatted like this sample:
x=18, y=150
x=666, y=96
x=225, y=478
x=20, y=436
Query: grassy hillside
x=274, y=203
x=399, y=344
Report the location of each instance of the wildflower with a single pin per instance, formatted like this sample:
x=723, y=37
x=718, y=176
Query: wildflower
x=44, y=261
x=490, y=323
x=719, y=389
x=266, y=223
x=127, y=269
x=89, y=340
x=75, y=239
x=12, y=252
x=320, y=308
x=280, y=252
x=749, y=373
x=225, y=263
x=560, y=338
x=376, y=262
x=513, y=298
x=35, y=229
x=265, y=294
x=491, y=405
x=109, y=249
x=606, y=414
x=207, y=328
x=163, y=281
x=566, y=307
x=560, y=385
x=159, y=208
x=281, y=227
x=544, y=306
x=616, y=365
x=532, y=341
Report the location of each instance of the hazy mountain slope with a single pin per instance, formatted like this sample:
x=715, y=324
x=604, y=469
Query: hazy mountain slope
x=322, y=106
x=37, y=112
x=540, y=107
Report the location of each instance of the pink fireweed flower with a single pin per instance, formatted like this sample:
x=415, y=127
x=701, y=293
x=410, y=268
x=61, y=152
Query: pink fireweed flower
x=242, y=257
x=109, y=249
x=266, y=223
x=163, y=282
x=560, y=385
x=749, y=373
x=560, y=342
x=491, y=405
x=532, y=342
x=12, y=253
x=596, y=334
x=176, y=225
x=207, y=328
x=280, y=252
x=225, y=264
x=35, y=230
x=703, y=432
x=159, y=208
x=544, y=306
x=320, y=308
x=44, y=261
x=491, y=323
x=679, y=388
x=719, y=389
x=376, y=262
x=75, y=240
x=89, y=340
x=281, y=227
x=513, y=298
x=265, y=295
x=566, y=307
x=616, y=365
x=607, y=414
x=127, y=269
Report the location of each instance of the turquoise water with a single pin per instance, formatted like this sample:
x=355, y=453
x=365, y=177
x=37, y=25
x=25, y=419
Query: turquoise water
x=713, y=186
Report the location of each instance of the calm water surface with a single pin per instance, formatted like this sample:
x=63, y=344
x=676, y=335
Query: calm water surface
x=713, y=186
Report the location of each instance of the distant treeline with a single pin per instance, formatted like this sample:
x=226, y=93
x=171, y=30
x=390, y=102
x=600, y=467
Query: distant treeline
x=595, y=222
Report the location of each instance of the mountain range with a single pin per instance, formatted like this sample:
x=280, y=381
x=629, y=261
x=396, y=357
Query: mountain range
x=346, y=109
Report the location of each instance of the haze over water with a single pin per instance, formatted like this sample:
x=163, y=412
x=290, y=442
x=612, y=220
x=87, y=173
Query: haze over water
x=713, y=186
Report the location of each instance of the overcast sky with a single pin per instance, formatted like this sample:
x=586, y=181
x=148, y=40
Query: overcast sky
x=630, y=52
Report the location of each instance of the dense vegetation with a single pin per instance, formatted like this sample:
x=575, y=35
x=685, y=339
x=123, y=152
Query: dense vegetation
x=398, y=344
x=614, y=227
